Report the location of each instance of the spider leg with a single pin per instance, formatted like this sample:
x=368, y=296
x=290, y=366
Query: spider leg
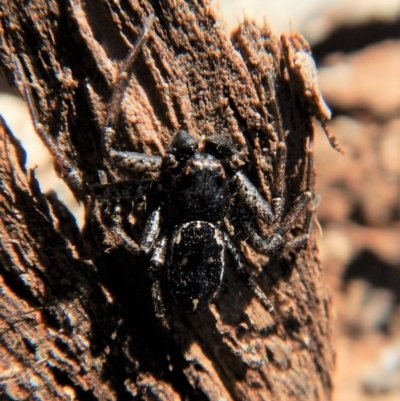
x=120, y=237
x=123, y=79
x=308, y=223
x=150, y=240
x=244, y=274
x=137, y=161
x=306, y=204
x=278, y=237
x=250, y=196
x=278, y=188
x=252, y=201
x=119, y=190
x=152, y=227
x=70, y=171
x=151, y=232
x=157, y=261
x=250, y=228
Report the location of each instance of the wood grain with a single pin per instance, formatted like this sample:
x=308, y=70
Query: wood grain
x=76, y=316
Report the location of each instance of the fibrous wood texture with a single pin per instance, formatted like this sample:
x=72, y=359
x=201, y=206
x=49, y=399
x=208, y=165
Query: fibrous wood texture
x=77, y=319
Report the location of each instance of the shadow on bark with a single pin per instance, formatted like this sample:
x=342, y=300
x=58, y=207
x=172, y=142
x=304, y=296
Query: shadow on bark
x=77, y=317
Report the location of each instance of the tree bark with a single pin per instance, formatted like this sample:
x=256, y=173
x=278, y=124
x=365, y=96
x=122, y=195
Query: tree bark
x=77, y=318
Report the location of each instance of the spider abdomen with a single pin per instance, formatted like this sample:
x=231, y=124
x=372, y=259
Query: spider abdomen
x=196, y=265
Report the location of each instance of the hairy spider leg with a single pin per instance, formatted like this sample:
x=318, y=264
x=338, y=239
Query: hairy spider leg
x=278, y=187
x=309, y=208
x=244, y=274
x=132, y=160
x=250, y=196
x=127, y=190
x=151, y=231
x=119, y=190
x=121, y=238
x=251, y=200
x=150, y=241
x=305, y=203
x=137, y=162
x=251, y=229
x=273, y=101
x=276, y=239
x=124, y=74
x=289, y=221
x=157, y=262
x=71, y=171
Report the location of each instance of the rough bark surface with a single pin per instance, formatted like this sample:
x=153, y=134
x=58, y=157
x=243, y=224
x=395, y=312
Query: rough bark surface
x=76, y=315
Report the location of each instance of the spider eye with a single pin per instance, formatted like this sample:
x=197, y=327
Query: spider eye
x=184, y=144
x=219, y=146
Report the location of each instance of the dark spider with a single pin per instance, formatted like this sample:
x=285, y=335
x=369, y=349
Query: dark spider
x=195, y=190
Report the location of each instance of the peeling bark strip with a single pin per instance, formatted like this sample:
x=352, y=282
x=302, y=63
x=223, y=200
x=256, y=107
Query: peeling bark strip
x=77, y=319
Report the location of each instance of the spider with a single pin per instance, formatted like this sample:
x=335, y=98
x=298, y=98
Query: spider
x=192, y=195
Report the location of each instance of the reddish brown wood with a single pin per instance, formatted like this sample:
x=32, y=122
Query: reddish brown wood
x=76, y=317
